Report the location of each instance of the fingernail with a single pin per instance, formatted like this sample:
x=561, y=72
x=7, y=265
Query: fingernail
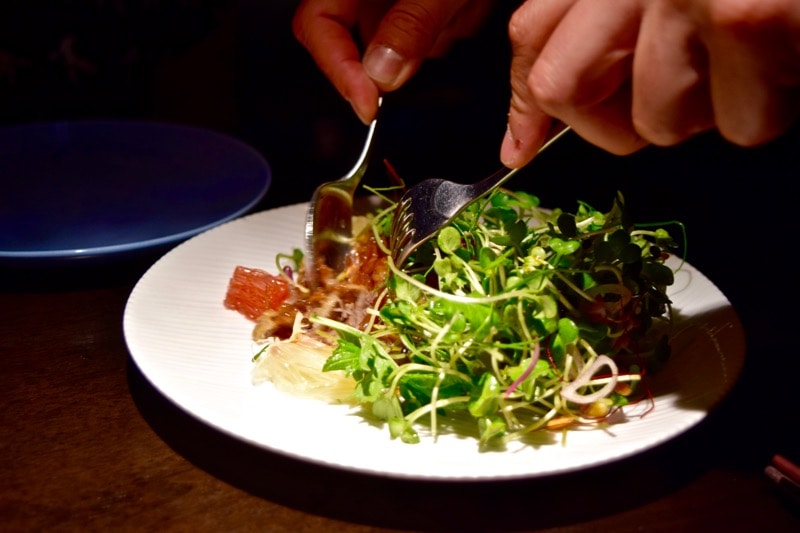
x=360, y=112
x=384, y=65
x=509, y=150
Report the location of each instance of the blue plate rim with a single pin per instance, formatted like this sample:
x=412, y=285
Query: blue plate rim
x=12, y=257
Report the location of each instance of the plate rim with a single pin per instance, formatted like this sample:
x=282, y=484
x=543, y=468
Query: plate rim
x=14, y=257
x=609, y=458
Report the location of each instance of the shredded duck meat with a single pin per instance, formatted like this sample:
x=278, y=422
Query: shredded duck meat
x=345, y=297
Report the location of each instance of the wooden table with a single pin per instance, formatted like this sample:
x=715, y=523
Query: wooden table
x=87, y=443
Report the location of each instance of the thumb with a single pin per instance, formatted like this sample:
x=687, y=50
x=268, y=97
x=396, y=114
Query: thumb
x=406, y=35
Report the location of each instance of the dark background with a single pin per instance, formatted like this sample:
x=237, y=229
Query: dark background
x=235, y=67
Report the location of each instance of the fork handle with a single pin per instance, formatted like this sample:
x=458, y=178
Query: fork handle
x=504, y=174
x=480, y=189
x=360, y=168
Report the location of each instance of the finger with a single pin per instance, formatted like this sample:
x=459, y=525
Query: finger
x=465, y=23
x=582, y=75
x=755, y=70
x=529, y=28
x=405, y=37
x=671, y=99
x=370, y=14
x=324, y=29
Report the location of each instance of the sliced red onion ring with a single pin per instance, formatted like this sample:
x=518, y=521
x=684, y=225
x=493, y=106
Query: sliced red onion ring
x=570, y=391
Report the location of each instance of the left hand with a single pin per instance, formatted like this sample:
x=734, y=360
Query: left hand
x=398, y=35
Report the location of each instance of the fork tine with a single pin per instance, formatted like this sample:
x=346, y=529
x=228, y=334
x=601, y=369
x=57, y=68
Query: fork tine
x=402, y=219
x=404, y=231
x=432, y=203
x=401, y=233
x=417, y=217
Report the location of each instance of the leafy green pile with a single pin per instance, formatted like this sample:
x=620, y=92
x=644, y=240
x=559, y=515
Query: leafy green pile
x=514, y=317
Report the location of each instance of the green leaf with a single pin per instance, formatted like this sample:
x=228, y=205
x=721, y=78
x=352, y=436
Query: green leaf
x=476, y=316
x=619, y=238
x=658, y=274
x=449, y=240
x=541, y=369
x=398, y=427
x=611, y=250
x=586, y=281
x=562, y=247
x=345, y=356
x=567, y=226
x=568, y=330
x=296, y=258
x=488, y=399
x=525, y=200
x=443, y=267
x=387, y=407
x=398, y=313
x=488, y=259
x=630, y=253
x=546, y=306
x=416, y=388
x=404, y=290
x=491, y=428
x=517, y=231
x=504, y=214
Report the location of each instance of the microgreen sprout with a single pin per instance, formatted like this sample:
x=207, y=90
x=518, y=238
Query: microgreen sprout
x=513, y=316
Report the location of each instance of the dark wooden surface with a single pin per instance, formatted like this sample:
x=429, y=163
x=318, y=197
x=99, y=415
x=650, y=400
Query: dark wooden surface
x=87, y=443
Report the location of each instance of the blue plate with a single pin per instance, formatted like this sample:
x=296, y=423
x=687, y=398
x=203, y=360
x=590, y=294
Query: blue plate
x=97, y=189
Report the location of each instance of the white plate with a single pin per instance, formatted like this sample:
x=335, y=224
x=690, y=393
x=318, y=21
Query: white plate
x=197, y=353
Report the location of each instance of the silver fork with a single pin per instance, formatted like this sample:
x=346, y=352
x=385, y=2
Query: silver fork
x=329, y=217
x=431, y=204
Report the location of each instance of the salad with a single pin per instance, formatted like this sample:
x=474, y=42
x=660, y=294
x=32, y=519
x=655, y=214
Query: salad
x=514, y=318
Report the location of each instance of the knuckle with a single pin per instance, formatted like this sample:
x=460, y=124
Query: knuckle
x=748, y=15
x=301, y=19
x=516, y=28
x=521, y=27
x=413, y=24
x=546, y=90
x=658, y=134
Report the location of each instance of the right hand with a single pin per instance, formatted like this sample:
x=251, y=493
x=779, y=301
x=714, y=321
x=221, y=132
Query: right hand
x=627, y=73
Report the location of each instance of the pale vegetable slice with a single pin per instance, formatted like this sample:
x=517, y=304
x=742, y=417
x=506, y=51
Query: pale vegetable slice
x=294, y=365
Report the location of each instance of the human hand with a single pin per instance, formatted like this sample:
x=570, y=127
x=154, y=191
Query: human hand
x=625, y=73
x=398, y=34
